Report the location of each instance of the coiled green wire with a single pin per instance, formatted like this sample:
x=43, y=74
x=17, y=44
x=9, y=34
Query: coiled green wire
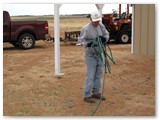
x=104, y=59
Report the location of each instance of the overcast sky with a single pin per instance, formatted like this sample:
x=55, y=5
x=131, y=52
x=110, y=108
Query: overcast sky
x=48, y=9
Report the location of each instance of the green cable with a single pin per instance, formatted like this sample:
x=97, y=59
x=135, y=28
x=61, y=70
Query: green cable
x=103, y=53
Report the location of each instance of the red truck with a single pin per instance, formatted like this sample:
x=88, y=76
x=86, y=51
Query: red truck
x=23, y=34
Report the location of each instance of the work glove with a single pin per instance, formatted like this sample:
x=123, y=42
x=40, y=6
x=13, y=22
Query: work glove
x=103, y=39
x=89, y=44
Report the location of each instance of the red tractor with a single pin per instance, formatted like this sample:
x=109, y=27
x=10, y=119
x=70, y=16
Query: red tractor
x=119, y=25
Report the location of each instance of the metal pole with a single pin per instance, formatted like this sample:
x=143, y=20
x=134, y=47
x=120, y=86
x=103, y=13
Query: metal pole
x=57, y=39
x=119, y=10
x=127, y=11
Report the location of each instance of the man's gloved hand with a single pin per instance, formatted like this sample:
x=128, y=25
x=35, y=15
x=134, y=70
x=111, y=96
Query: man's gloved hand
x=103, y=39
x=89, y=44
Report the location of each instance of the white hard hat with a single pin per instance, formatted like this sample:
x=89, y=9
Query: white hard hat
x=96, y=16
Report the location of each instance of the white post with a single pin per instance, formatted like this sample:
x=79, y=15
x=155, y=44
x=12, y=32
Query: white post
x=57, y=39
x=100, y=7
x=132, y=39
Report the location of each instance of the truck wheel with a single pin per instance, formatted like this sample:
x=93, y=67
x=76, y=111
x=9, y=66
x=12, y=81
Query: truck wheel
x=124, y=37
x=26, y=41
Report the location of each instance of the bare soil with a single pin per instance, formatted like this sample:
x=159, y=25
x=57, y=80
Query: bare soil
x=31, y=89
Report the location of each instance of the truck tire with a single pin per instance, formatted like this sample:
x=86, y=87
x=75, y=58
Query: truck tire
x=26, y=41
x=124, y=37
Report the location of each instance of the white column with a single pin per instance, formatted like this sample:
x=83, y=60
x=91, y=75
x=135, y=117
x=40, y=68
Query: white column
x=57, y=39
x=100, y=7
x=132, y=39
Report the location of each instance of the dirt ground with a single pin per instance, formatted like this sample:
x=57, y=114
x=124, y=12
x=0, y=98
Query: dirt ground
x=31, y=89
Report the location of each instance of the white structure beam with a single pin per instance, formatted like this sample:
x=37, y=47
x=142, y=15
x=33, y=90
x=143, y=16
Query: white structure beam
x=132, y=42
x=57, y=40
x=100, y=7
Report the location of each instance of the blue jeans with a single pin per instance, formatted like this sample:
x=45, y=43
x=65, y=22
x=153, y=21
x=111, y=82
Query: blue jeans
x=93, y=75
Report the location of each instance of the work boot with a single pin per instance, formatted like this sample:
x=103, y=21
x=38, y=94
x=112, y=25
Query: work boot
x=88, y=99
x=98, y=96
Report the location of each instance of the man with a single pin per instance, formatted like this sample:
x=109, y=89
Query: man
x=88, y=34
